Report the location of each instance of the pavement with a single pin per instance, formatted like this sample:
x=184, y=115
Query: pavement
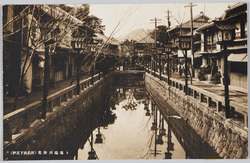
x=35, y=95
x=237, y=94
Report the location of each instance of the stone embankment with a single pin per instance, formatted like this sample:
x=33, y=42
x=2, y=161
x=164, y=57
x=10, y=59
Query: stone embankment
x=49, y=134
x=228, y=139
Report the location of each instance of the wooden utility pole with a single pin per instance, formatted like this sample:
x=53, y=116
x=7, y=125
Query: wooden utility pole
x=168, y=17
x=168, y=67
x=155, y=21
x=191, y=5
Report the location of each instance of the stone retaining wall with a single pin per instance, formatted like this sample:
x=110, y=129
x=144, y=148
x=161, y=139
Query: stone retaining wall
x=48, y=135
x=227, y=139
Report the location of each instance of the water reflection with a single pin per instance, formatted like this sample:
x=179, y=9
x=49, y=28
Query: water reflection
x=131, y=126
x=131, y=136
x=170, y=147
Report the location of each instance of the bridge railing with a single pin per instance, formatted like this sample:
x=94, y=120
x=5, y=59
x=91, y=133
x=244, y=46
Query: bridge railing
x=210, y=99
x=24, y=117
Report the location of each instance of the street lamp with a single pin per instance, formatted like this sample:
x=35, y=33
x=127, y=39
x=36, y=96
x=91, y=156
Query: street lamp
x=168, y=51
x=98, y=139
x=78, y=44
x=46, y=77
x=162, y=130
x=185, y=44
x=154, y=50
x=168, y=154
x=159, y=52
x=224, y=37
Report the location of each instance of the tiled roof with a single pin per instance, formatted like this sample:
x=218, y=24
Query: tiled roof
x=235, y=10
x=207, y=25
x=236, y=6
x=146, y=40
x=198, y=21
x=195, y=24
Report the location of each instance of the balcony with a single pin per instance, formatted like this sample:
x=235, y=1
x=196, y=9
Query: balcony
x=211, y=46
x=238, y=35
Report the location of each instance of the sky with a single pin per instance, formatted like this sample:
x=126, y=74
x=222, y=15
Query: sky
x=136, y=16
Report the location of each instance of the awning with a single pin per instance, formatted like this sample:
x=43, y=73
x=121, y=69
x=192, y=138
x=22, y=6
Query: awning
x=238, y=57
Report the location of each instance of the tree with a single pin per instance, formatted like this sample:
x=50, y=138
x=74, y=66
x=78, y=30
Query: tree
x=162, y=35
x=39, y=24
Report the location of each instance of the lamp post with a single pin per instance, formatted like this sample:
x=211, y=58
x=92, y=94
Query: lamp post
x=168, y=51
x=78, y=45
x=46, y=78
x=154, y=59
x=185, y=44
x=92, y=153
x=168, y=154
x=98, y=139
x=224, y=37
x=159, y=52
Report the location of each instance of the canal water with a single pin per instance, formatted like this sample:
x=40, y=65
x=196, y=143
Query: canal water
x=131, y=126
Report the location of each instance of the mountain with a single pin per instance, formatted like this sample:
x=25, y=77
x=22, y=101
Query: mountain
x=139, y=35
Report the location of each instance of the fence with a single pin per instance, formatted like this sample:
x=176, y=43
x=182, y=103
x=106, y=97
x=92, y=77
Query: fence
x=210, y=99
x=24, y=117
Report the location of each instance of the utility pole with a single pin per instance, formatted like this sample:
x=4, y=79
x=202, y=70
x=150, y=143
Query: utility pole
x=168, y=17
x=169, y=24
x=155, y=21
x=191, y=5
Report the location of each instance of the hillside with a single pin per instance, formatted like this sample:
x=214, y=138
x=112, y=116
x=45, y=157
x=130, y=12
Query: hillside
x=139, y=35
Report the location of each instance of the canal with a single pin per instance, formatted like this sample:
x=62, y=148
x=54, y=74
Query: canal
x=127, y=123
x=131, y=126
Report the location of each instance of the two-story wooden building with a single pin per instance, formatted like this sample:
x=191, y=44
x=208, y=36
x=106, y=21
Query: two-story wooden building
x=25, y=30
x=235, y=18
x=185, y=29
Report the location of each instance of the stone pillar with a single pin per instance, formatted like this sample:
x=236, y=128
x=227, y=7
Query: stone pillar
x=201, y=97
x=218, y=106
x=209, y=100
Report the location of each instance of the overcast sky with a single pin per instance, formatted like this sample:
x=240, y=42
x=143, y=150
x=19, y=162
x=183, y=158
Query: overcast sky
x=135, y=16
